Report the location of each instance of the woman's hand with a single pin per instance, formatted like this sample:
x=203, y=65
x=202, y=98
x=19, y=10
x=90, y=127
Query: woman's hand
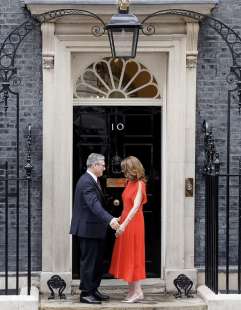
x=120, y=230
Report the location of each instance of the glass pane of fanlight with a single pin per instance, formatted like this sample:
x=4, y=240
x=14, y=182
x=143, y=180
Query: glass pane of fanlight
x=116, y=69
x=104, y=73
x=149, y=91
x=131, y=70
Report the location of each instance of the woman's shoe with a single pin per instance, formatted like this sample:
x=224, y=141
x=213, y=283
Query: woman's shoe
x=129, y=295
x=134, y=298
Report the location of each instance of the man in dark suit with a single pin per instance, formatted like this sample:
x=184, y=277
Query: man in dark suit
x=89, y=223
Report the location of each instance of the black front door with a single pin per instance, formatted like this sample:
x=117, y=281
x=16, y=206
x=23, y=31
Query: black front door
x=118, y=132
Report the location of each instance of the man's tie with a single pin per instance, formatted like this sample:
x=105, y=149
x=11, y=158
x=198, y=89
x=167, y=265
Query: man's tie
x=98, y=183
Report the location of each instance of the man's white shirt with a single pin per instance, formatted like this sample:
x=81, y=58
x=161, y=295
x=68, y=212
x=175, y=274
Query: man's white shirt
x=93, y=175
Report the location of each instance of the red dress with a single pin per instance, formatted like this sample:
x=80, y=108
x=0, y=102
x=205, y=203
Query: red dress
x=128, y=257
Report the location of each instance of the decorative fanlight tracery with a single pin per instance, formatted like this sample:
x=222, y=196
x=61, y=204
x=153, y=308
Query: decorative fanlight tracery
x=116, y=78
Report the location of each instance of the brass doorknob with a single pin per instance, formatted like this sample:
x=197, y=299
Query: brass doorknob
x=116, y=202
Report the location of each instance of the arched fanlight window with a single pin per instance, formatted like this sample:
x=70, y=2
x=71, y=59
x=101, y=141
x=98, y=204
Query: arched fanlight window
x=116, y=78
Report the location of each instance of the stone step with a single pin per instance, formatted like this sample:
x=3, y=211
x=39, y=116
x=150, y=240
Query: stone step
x=151, y=301
x=109, y=286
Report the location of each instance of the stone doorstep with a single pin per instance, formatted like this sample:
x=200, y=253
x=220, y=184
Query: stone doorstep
x=110, y=286
x=151, y=301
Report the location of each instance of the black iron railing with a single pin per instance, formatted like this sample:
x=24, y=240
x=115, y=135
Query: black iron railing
x=222, y=251
x=24, y=184
x=211, y=172
x=211, y=232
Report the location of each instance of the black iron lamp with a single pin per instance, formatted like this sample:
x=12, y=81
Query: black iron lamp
x=123, y=32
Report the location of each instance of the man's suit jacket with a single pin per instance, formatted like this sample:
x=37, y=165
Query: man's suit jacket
x=89, y=219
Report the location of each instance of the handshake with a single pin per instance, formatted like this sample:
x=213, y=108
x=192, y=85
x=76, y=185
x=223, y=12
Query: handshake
x=119, y=228
x=114, y=223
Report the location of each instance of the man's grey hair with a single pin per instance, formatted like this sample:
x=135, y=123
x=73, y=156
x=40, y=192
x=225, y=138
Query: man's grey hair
x=94, y=158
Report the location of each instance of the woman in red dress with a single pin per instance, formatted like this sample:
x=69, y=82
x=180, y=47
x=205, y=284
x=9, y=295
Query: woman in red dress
x=128, y=258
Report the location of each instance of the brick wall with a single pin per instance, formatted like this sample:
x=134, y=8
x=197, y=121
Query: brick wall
x=28, y=63
x=214, y=62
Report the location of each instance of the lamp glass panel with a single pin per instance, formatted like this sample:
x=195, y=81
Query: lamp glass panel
x=123, y=42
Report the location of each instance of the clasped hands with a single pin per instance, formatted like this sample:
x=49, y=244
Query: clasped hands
x=114, y=224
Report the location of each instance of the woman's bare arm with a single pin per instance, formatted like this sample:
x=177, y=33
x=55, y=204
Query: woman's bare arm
x=132, y=212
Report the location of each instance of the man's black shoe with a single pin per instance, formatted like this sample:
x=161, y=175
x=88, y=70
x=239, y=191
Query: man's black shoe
x=100, y=296
x=89, y=299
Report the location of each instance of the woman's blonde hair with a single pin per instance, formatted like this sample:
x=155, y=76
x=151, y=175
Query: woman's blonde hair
x=133, y=169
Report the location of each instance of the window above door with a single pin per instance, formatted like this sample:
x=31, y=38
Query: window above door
x=116, y=78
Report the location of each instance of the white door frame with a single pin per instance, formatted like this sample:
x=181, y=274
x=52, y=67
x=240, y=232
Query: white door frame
x=178, y=155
